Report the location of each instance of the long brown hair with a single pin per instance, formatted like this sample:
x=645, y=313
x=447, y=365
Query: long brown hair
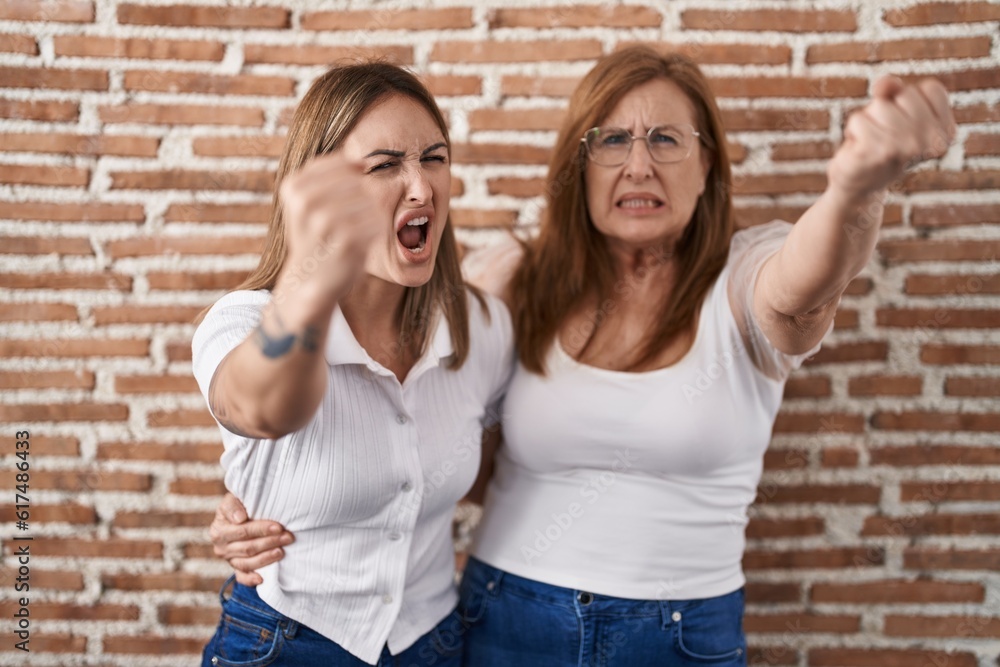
x=327, y=114
x=570, y=261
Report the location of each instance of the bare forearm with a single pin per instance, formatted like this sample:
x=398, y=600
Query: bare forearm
x=829, y=245
x=272, y=383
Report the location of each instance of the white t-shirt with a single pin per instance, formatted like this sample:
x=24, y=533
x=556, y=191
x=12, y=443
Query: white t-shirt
x=636, y=485
x=369, y=485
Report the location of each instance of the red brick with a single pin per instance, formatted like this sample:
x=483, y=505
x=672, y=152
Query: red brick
x=45, y=110
x=30, y=245
x=204, y=245
x=162, y=519
x=759, y=529
x=137, y=48
x=948, y=215
x=964, y=386
x=960, y=354
x=58, y=643
x=46, y=380
x=782, y=20
x=179, y=351
x=977, y=113
x=448, y=85
x=801, y=622
x=927, y=181
x=886, y=385
x=62, y=281
x=759, y=592
x=964, y=80
x=950, y=455
x=474, y=218
x=933, y=13
x=67, y=11
x=516, y=187
x=768, y=120
x=246, y=146
x=936, y=524
x=850, y=657
x=754, y=87
x=930, y=558
x=859, y=287
x=189, y=486
x=86, y=480
x=181, y=114
x=220, y=280
x=807, y=387
x=944, y=318
x=64, y=611
x=145, y=314
x=903, y=49
x=942, y=626
x=846, y=557
x=311, y=54
x=516, y=119
x=515, y=52
x=465, y=153
x=852, y=494
x=154, y=451
x=191, y=16
x=191, y=417
x=839, y=457
x=577, y=16
x=389, y=19
x=38, y=312
x=48, y=579
x=82, y=212
x=203, y=212
x=897, y=592
x=982, y=144
x=153, y=645
x=55, y=445
x=782, y=654
x=778, y=184
x=48, y=77
x=82, y=411
x=71, y=513
x=806, y=150
x=721, y=54
x=948, y=250
x=538, y=86
x=209, y=84
x=785, y=459
x=19, y=44
x=30, y=174
x=952, y=284
x=167, y=581
x=811, y=422
x=937, y=421
x=177, y=179
x=155, y=384
x=80, y=548
x=939, y=491
x=72, y=347
x=174, y=615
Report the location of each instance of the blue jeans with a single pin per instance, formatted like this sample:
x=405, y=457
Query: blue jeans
x=509, y=620
x=252, y=634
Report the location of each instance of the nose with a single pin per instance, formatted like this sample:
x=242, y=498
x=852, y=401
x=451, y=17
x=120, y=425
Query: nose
x=418, y=187
x=639, y=165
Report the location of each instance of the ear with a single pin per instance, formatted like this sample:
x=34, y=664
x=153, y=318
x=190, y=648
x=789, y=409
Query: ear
x=706, y=158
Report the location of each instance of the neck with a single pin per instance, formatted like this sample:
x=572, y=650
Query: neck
x=372, y=307
x=642, y=261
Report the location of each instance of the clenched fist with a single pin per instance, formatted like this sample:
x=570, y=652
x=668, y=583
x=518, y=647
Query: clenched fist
x=330, y=223
x=902, y=125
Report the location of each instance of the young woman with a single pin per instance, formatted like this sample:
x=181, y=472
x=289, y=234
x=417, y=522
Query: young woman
x=653, y=347
x=352, y=376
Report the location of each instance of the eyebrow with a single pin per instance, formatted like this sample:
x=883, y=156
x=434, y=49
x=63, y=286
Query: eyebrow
x=390, y=153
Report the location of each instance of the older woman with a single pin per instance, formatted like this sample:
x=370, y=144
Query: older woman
x=352, y=375
x=653, y=346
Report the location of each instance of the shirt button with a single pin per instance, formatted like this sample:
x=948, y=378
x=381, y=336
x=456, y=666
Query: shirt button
x=401, y=418
x=386, y=599
x=407, y=487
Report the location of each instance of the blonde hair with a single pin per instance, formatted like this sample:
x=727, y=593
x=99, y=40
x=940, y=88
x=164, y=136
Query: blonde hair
x=570, y=260
x=327, y=114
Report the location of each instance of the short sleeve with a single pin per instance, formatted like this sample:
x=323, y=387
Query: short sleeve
x=749, y=250
x=229, y=322
x=491, y=267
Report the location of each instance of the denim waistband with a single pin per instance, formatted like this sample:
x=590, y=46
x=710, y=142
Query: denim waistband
x=247, y=596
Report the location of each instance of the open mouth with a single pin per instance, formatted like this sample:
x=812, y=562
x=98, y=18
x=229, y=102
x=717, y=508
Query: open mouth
x=643, y=203
x=413, y=235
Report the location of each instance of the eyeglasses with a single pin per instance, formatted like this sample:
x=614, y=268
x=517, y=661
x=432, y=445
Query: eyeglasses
x=611, y=146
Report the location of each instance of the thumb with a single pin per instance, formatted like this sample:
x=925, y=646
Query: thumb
x=233, y=508
x=887, y=87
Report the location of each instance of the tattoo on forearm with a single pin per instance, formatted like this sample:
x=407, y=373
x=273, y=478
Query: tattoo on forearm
x=218, y=407
x=279, y=345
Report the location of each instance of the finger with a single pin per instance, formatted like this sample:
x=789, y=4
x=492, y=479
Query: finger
x=888, y=116
x=256, y=562
x=225, y=532
x=249, y=578
x=932, y=135
x=887, y=87
x=252, y=548
x=233, y=509
x=937, y=97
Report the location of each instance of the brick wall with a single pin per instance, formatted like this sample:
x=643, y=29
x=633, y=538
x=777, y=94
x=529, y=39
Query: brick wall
x=138, y=144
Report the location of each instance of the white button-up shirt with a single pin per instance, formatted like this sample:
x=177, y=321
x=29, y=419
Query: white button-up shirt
x=369, y=485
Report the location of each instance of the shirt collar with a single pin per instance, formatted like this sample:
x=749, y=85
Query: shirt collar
x=343, y=348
